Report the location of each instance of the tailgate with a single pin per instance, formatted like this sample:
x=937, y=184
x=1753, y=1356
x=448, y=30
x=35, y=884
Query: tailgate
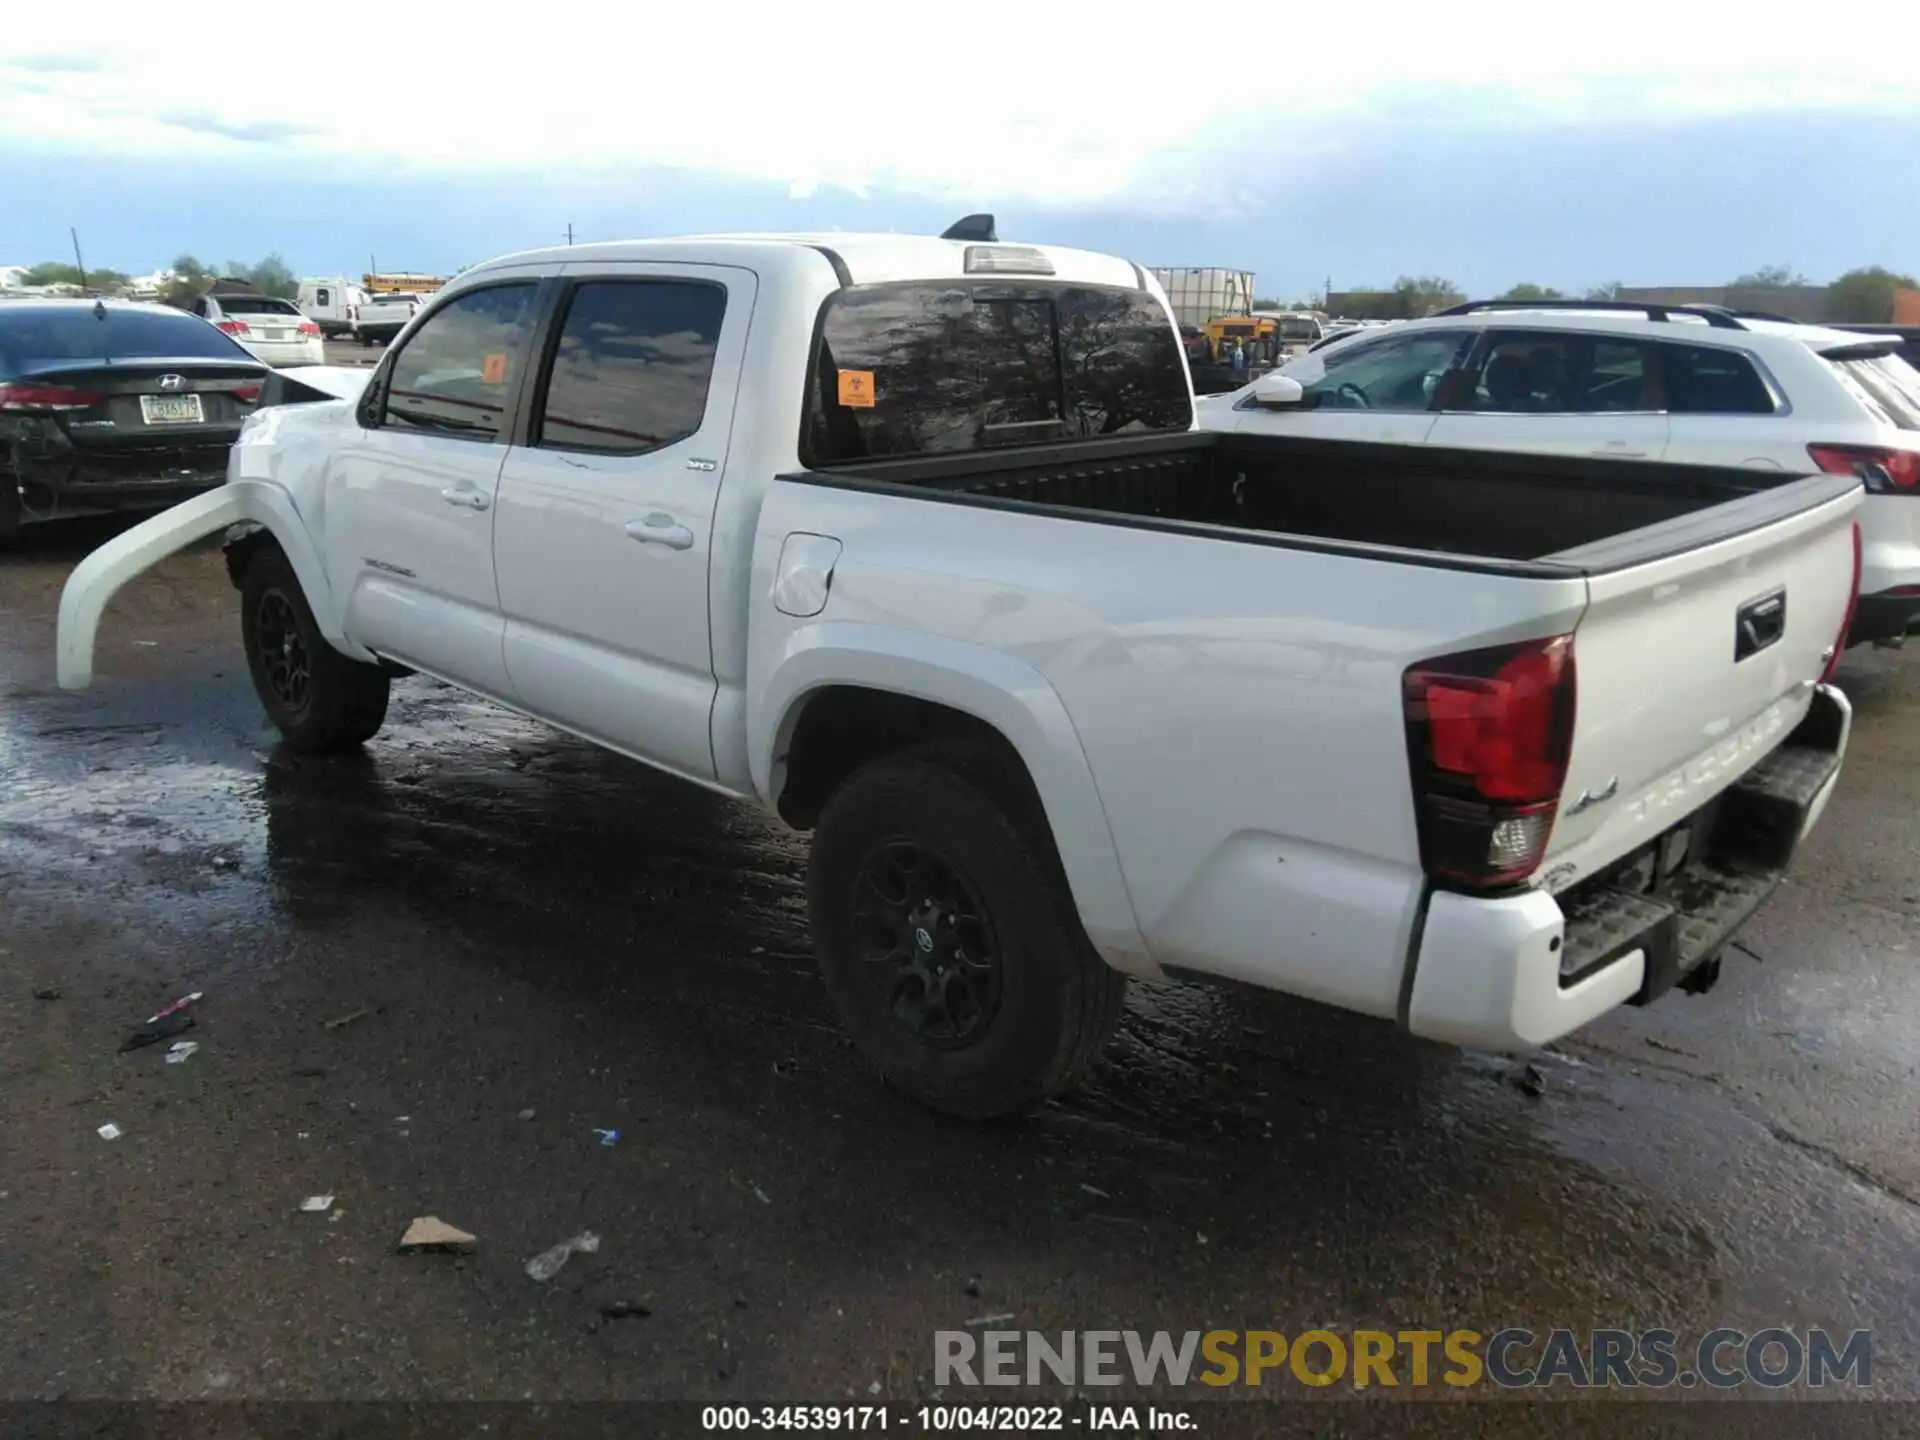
x=1694, y=664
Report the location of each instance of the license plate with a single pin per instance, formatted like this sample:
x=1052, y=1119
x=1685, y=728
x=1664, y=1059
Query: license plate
x=171, y=410
x=275, y=334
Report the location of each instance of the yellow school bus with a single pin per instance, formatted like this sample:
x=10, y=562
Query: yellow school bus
x=391, y=284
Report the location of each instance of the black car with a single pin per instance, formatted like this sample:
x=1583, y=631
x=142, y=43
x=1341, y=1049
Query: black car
x=106, y=405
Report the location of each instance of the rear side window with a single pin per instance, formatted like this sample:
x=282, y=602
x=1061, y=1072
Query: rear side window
x=936, y=367
x=456, y=371
x=1704, y=380
x=1560, y=372
x=34, y=339
x=1886, y=385
x=632, y=368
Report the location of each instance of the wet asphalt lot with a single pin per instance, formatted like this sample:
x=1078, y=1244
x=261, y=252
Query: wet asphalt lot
x=523, y=924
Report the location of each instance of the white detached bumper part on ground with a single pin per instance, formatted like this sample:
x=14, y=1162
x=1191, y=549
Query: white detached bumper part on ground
x=1479, y=744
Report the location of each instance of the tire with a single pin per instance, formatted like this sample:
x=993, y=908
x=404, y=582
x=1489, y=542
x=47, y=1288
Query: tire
x=320, y=701
x=913, y=858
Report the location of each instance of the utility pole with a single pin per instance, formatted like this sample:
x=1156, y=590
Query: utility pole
x=79, y=264
x=569, y=232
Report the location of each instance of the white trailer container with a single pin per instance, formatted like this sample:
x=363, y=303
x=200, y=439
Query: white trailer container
x=1198, y=294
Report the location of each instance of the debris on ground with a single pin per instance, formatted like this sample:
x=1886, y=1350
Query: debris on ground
x=972, y=1287
x=526, y=1114
x=761, y=1196
x=1670, y=1049
x=607, y=1137
x=430, y=1232
x=48, y=992
x=314, y=1204
x=1095, y=1191
x=547, y=1263
x=1531, y=1082
x=109, y=1131
x=181, y=1051
x=980, y=1320
x=624, y=1310
x=163, y=1024
x=340, y=1022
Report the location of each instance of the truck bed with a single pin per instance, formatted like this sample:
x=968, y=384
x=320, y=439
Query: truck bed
x=1473, y=506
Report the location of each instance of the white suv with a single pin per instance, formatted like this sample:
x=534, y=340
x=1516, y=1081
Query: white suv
x=1682, y=384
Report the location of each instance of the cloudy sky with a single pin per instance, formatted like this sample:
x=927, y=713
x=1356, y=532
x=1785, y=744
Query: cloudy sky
x=1650, y=143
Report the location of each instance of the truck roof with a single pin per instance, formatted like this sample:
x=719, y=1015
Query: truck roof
x=868, y=258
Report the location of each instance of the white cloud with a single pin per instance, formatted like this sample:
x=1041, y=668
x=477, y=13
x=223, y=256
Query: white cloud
x=1063, y=104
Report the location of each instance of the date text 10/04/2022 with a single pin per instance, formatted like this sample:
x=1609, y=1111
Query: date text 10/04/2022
x=988, y=1419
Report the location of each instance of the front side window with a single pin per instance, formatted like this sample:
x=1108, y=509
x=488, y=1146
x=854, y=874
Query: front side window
x=456, y=371
x=1397, y=375
x=940, y=366
x=1559, y=372
x=1706, y=380
x=634, y=362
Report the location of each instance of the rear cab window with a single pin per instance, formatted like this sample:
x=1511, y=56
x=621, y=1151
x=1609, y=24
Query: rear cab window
x=255, y=305
x=1886, y=385
x=937, y=367
x=455, y=373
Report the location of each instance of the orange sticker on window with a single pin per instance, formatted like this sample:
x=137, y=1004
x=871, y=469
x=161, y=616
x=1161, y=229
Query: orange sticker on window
x=493, y=369
x=856, y=389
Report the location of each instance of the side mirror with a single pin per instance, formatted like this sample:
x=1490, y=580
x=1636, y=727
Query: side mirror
x=1276, y=390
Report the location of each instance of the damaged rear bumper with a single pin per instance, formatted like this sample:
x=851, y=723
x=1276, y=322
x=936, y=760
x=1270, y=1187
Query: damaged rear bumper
x=58, y=484
x=1515, y=972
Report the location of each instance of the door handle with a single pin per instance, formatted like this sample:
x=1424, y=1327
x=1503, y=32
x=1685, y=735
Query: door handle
x=1618, y=450
x=466, y=496
x=659, y=529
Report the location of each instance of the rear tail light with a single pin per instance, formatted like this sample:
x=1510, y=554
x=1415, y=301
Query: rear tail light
x=47, y=397
x=232, y=327
x=1489, y=733
x=1846, y=620
x=1901, y=467
x=308, y=328
x=248, y=393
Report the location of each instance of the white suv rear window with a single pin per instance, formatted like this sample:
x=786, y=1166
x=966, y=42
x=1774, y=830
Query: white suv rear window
x=1886, y=385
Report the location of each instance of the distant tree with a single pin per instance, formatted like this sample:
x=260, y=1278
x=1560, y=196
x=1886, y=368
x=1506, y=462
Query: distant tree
x=1533, y=292
x=269, y=276
x=1417, y=295
x=1769, y=277
x=1605, y=290
x=1865, y=296
x=189, y=281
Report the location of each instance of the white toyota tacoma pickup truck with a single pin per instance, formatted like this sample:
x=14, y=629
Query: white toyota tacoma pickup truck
x=912, y=542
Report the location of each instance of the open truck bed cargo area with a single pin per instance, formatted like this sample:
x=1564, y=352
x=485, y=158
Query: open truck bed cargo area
x=1473, y=507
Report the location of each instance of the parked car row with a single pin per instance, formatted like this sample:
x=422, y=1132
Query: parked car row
x=1678, y=384
x=915, y=543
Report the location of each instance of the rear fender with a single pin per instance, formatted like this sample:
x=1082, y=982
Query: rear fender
x=99, y=577
x=995, y=688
